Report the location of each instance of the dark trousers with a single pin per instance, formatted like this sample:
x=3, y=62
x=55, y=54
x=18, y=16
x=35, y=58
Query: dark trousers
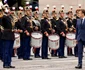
x=44, y=47
x=1, y=49
x=36, y=51
x=76, y=50
x=69, y=51
x=80, y=51
x=26, y=48
x=20, y=49
x=62, y=46
x=7, y=52
x=54, y=52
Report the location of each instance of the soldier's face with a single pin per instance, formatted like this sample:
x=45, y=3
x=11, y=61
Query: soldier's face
x=70, y=15
x=55, y=15
x=61, y=14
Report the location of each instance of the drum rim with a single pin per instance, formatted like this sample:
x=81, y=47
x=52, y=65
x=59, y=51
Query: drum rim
x=36, y=32
x=70, y=46
x=53, y=40
x=16, y=47
x=69, y=38
x=36, y=46
x=53, y=49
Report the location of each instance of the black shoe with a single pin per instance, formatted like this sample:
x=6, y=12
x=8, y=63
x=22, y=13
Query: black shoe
x=6, y=66
x=53, y=55
x=79, y=67
x=19, y=57
x=46, y=58
x=70, y=55
x=27, y=59
x=11, y=66
x=62, y=57
x=37, y=56
x=76, y=55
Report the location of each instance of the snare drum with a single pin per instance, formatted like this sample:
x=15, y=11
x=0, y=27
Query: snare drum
x=53, y=42
x=36, y=39
x=70, y=40
x=17, y=41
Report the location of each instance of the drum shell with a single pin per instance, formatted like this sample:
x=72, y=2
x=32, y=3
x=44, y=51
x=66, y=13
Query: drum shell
x=17, y=41
x=70, y=42
x=53, y=44
x=36, y=42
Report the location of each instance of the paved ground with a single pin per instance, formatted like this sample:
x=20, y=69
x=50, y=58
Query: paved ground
x=52, y=64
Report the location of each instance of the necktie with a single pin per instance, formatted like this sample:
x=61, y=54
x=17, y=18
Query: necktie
x=81, y=23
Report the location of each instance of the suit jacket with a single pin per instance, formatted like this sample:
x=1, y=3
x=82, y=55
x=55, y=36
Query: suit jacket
x=7, y=33
x=80, y=30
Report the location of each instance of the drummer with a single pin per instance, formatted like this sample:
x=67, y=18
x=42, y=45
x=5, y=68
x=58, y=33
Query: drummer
x=36, y=27
x=71, y=28
x=46, y=30
x=17, y=26
x=62, y=33
x=55, y=26
x=28, y=24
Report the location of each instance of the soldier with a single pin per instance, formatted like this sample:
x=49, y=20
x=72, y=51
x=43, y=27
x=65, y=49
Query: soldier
x=71, y=28
x=27, y=22
x=46, y=30
x=8, y=39
x=36, y=25
x=62, y=33
x=55, y=26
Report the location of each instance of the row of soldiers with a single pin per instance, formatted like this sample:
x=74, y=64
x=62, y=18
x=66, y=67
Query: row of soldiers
x=24, y=23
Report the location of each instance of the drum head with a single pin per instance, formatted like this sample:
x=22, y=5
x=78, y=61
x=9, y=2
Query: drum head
x=70, y=36
x=36, y=35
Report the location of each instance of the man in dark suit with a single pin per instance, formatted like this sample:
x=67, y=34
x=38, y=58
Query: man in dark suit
x=80, y=36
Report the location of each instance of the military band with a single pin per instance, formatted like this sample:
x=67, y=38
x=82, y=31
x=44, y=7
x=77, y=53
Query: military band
x=24, y=22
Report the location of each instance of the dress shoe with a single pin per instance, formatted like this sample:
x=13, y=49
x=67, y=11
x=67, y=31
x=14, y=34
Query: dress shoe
x=12, y=67
x=6, y=66
x=37, y=56
x=46, y=58
x=53, y=55
x=70, y=55
x=79, y=67
x=19, y=57
x=27, y=59
x=62, y=57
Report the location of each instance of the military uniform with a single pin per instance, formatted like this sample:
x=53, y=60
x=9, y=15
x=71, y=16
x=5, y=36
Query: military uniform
x=62, y=38
x=36, y=23
x=8, y=40
x=55, y=26
x=45, y=27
